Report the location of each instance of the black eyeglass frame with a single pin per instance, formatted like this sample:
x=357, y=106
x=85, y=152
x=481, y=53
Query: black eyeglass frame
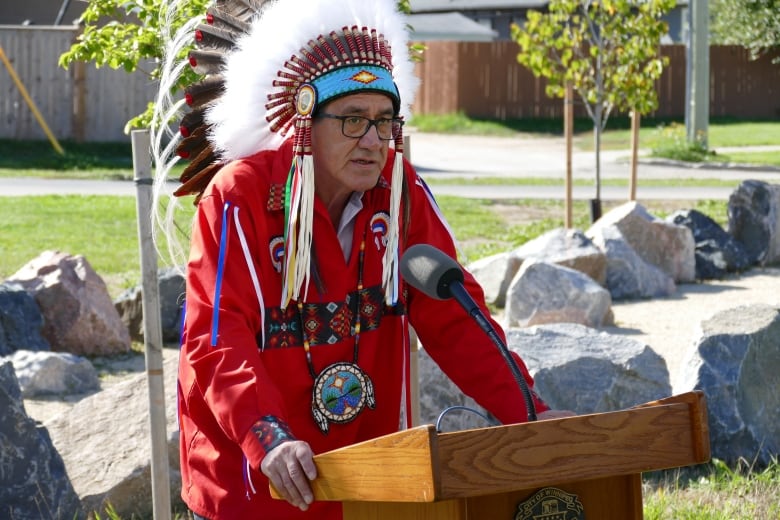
x=371, y=122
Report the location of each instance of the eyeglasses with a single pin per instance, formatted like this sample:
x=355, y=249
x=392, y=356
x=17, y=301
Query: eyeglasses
x=358, y=126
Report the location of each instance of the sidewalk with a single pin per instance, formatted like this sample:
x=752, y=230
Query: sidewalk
x=443, y=156
x=439, y=157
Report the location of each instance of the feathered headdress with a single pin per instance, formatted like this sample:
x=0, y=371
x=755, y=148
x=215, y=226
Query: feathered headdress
x=267, y=66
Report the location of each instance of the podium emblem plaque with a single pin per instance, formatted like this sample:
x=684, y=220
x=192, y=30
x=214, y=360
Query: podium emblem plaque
x=550, y=504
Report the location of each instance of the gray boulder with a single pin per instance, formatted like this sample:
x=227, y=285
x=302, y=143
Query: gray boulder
x=667, y=246
x=735, y=363
x=33, y=481
x=565, y=247
x=489, y=273
x=171, y=287
x=439, y=394
x=568, y=248
x=629, y=276
x=20, y=321
x=548, y=293
x=754, y=220
x=581, y=369
x=574, y=367
x=53, y=373
x=79, y=316
x=117, y=421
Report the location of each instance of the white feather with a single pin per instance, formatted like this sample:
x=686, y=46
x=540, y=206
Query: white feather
x=239, y=117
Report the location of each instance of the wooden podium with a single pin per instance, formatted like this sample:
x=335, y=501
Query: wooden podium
x=418, y=474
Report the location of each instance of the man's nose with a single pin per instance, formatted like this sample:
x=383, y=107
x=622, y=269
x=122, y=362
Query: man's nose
x=371, y=137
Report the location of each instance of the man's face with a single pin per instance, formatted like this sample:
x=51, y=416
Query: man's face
x=346, y=164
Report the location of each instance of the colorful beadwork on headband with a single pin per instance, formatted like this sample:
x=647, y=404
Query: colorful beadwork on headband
x=359, y=78
x=344, y=62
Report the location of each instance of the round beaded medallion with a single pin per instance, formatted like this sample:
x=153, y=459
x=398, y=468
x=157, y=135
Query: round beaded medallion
x=340, y=393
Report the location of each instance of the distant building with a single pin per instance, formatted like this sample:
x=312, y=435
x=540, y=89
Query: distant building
x=499, y=15
x=449, y=26
x=42, y=12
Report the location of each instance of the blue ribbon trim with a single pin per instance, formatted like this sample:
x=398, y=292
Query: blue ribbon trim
x=220, y=273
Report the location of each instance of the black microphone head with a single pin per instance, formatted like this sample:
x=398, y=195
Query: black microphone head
x=430, y=270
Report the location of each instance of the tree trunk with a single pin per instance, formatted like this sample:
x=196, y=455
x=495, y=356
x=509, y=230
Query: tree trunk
x=595, y=203
x=635, y=118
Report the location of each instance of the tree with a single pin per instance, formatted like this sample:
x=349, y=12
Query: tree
x=607, y=50
x=754, y=24
x=128, y=34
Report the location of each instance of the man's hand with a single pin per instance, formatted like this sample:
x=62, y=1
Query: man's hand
x=290, y=467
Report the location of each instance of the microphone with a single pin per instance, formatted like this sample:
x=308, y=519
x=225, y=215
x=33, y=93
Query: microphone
x=437, y=275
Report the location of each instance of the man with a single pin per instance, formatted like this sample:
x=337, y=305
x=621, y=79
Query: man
x=296, y=337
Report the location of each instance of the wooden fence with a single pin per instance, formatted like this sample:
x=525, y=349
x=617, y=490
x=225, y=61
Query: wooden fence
x=485, y=80
x=482, y=79
x=82, y=103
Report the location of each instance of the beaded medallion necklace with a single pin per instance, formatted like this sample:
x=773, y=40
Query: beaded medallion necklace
x=341, y=390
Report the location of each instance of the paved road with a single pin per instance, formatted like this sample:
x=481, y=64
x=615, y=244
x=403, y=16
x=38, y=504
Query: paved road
x=439, y=158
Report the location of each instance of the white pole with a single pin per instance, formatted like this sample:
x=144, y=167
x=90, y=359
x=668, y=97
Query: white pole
x=697, y=112
x=142, y=166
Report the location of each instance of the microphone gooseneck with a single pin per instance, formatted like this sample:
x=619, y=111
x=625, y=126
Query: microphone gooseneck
x=437, y=275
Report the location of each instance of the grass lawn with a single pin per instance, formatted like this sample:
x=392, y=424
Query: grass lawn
x=103, y=229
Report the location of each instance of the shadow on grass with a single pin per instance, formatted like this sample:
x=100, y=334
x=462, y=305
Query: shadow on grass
x=78, y=156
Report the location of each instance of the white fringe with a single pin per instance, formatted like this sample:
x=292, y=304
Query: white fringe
x=165, y=136
x=305, y=226
x=390, y=260
x=252, y=273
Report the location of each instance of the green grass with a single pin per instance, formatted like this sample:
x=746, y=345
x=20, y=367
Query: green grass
x=459, y=123
x=101, y=228
x=763, y=158
x=713, y=492
x=486, y=227
x=81, y=160
x=104, y=161
x=550, y=181
x=721, y=132
x=104, y=229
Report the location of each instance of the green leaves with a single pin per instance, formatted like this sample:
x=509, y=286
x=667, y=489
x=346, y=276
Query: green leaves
x=754, y=25
x=127, y=35
x=608, y=49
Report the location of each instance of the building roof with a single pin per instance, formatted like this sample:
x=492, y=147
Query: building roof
x=448, y=26
x=420, y=6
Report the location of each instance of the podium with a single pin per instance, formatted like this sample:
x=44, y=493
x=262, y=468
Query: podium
x=530, y=470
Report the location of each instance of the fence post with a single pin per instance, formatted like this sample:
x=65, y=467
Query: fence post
x=142, y=166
